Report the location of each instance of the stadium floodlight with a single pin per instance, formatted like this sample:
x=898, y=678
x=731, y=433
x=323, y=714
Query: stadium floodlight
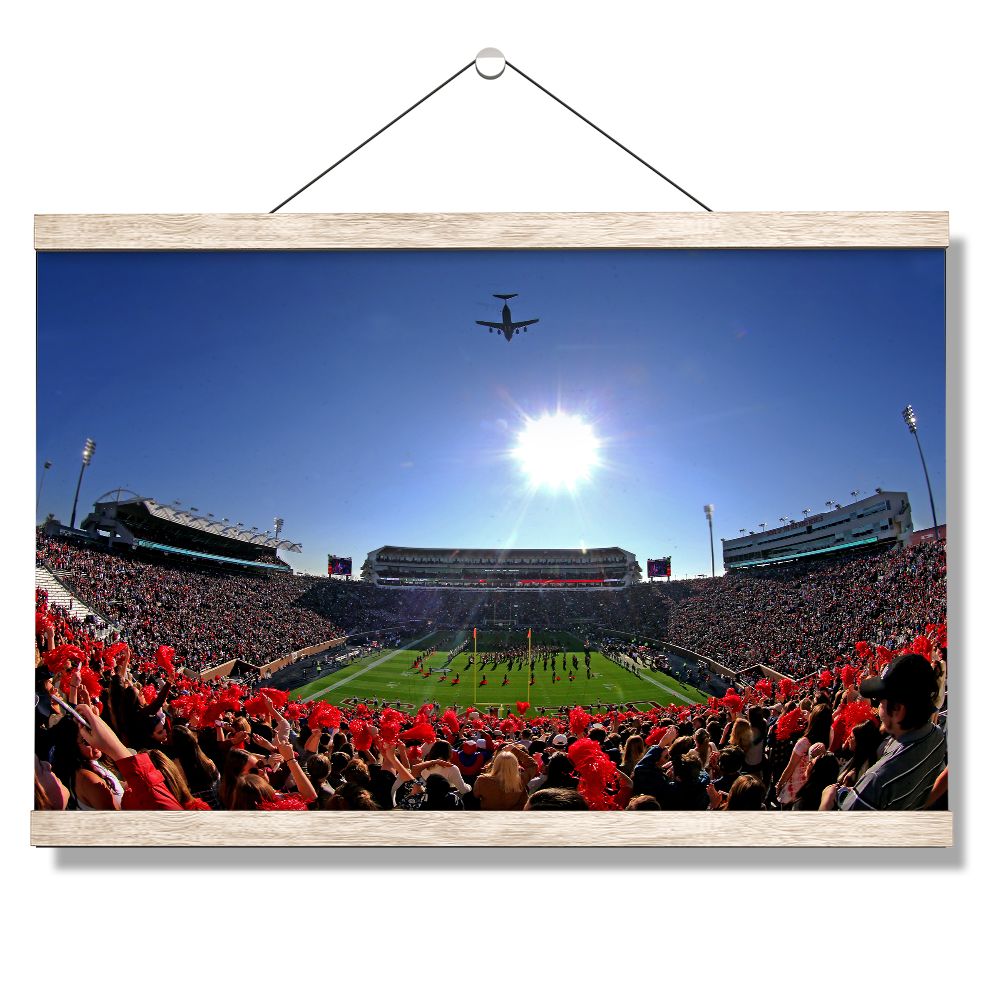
x=911, y=421
x=830, y=503
x=709, y=509
x=38, y=499
x=88, y=454
x=808, y=510
x=854, y=493
x=743, y=531
x=279, y=523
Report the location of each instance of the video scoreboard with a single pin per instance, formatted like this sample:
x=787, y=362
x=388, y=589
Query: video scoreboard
x=337, y=566
x=658, y=568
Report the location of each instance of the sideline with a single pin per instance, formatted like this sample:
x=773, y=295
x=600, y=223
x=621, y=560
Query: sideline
x=364, y=670
x=670, y=691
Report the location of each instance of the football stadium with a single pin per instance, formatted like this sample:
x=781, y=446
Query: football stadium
x=180, y=632
x=495, y=590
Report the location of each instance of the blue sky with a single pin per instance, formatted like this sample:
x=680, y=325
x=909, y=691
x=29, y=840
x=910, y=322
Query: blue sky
x=352, y=394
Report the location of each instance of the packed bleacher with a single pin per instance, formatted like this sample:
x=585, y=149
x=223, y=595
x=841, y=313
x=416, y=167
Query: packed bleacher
x=860, y=724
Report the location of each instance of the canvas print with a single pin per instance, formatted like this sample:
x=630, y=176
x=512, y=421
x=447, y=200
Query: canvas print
x=590, y=530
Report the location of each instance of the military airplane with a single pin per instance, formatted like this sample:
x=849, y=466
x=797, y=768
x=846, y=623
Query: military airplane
x=506, y=325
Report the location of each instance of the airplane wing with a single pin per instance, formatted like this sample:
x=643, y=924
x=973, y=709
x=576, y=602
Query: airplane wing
x=497, y=324
x=523, y=322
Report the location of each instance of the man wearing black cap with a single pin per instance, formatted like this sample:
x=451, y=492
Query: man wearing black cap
x=915, y=754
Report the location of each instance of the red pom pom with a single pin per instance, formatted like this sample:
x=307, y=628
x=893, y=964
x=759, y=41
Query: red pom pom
x=450, y=719
x=91, y=682
x=284, y=803
x=849, y=715
x=189, y=707
x=422, y=731
x=523, y=706
x=165, y=658
x=790, y=723
x=579, y=720
x=597, y=773
x=655, y=736
x=848, y=675
x=277, y=698
x=764, y=687
x=63, y=657
x=787, y=688
x=293, y=712
x=733, y=702
x=825, y=679
x=359, y=734
x=42, y=622
x=324, y=716
x=149, y=694
x=196, y=804
x=864, y=650
x=256, y=706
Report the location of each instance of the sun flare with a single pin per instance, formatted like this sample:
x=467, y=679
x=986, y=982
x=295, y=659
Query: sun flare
x=556, y=450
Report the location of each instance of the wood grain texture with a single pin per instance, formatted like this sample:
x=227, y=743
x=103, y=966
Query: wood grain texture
x=498, y=829
x=514, y=230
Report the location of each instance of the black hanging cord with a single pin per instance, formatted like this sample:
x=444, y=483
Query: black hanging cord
x=606, y=136
x=528, y=78
x=369, y=139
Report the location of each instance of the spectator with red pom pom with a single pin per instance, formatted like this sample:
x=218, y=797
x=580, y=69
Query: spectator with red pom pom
x=915, y=755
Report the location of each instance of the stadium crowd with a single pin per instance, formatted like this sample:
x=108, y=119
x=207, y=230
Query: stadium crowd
x=111, y=733
x=858, y=721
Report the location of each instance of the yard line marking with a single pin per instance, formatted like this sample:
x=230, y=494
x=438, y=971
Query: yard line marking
x=364, y=670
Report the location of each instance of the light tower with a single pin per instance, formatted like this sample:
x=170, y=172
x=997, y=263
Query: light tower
x=279, y=523
x=911, y=421
x=709, y=509
x=88, y=454
x=38, y=499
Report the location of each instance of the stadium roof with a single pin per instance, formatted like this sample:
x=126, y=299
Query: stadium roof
x=462, y=553
x=156, y=522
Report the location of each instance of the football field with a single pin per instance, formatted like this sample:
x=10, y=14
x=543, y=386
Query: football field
x=390, y=675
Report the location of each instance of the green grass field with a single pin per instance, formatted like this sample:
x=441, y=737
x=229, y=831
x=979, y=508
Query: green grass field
x=389, y=675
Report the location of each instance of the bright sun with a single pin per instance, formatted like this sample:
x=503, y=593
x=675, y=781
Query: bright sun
x=556, y=450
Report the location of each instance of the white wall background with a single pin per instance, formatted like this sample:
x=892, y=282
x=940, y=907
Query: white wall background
x=228, y=107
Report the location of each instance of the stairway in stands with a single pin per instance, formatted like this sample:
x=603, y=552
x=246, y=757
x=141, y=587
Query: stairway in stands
x=60, y=597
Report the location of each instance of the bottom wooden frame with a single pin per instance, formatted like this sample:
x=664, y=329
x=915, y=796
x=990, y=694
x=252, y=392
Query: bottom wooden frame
x=494, y=829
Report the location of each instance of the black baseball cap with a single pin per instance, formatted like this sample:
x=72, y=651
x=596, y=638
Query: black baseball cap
x=907, y=679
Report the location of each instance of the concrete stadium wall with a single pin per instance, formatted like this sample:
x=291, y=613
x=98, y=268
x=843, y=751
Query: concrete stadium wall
x=275, y=665
x=670, y=647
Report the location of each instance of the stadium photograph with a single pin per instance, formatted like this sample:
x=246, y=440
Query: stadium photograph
x=507, y=552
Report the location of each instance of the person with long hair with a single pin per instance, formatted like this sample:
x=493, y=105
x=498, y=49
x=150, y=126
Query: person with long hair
x=504, y=783
x=250, y=790
x=201, y=774
x=754, y=762
x=821, y=772
x=747, y=793
x=863, y=743
x=173, y=778
x=559, y=773
x=80, y=767
x=633, y=752
x=238, y=764
x=818, y=730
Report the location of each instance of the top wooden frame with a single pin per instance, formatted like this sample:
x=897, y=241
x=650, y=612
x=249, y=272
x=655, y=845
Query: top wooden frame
x=501, y=231
x=483, y=231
